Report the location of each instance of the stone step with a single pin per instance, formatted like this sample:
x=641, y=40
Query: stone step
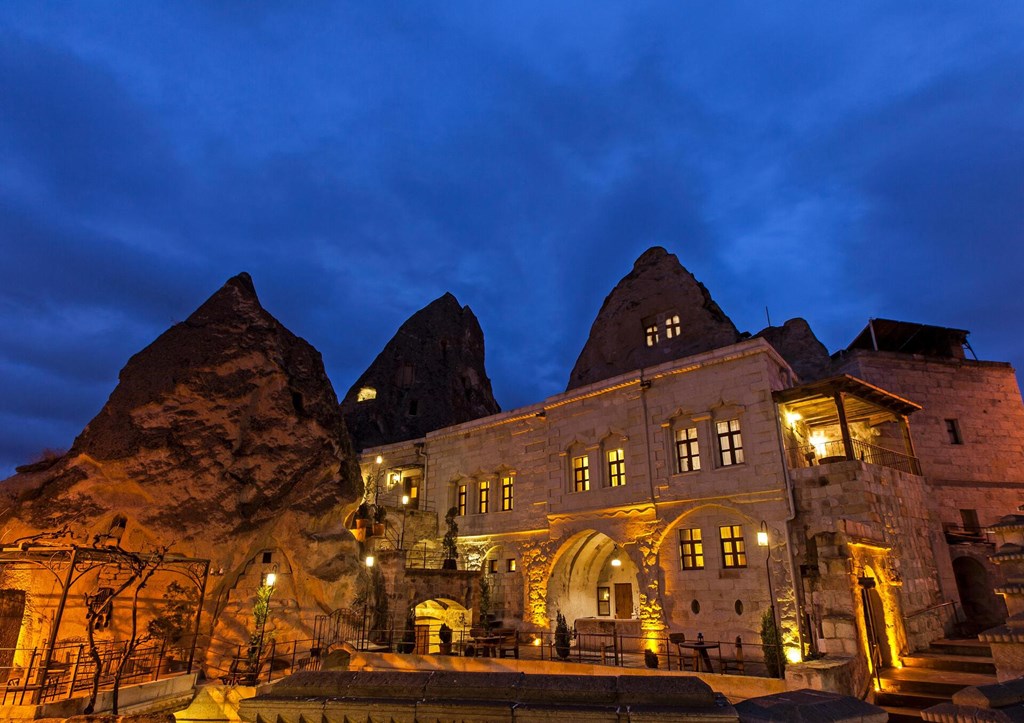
x=967, y=646
x=899, y=714
x=907, y=701
x=945, y=661
x=913, y=681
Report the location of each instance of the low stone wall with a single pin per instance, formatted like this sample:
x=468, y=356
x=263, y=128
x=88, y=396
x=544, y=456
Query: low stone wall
x=493, y=696
x=734, y=687
x=166, y=694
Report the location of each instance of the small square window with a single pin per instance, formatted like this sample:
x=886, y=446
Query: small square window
x=492, y=566
x=485, y=497
x=651, y=331
x=953, y=431
x=616, y=468
x=730, y=442
x=687, y=450
x=268, y=557
x=691, y=549
x=734, y=552
x=581, y=473
x=510, y=565
x=604, y=601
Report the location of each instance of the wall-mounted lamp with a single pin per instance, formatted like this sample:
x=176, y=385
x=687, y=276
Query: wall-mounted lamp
x=616, y=562
x=379, y=459
x=762, y=535
x=369, y=560
x=271, y=579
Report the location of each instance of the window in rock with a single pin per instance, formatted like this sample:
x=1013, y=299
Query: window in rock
x=651, y=331
x=953, y=431
x=405, y=375
x=581, y=473
x=507, y=489
x=510, y=565
x=672, y=326
x=687, y=450
x=730, y=443
x=616, y=468
x=734, y=553
x=267, y=557
x=365, y=394
x=414, y=407
x=604, y=601
x=485, y=495
x=691, y=549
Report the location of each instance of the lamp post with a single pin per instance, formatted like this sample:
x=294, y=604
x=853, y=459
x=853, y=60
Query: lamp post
x=268, y=584
x=366, y=601
x=405, y=509
x=762, y=541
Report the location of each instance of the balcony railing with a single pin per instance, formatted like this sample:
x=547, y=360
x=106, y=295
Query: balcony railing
x=833, y=451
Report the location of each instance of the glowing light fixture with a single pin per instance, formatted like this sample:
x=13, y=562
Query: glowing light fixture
x=762, y=538
x=379, y=459
x=616, y=562
x=793, y=655
x=818, y=441
x=405, y=499
x=271, y=579
x=792, y=418
x=369, y=560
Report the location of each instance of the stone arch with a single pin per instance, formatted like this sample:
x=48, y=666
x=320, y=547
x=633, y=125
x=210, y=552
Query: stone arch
x=982, y=608
x=583, y=565
x=430, y=613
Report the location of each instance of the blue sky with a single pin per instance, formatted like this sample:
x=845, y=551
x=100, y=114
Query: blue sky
x=826, y=160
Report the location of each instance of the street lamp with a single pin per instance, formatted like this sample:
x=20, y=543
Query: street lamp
x=405, y=509
x=366, y=601
x=269, y=580
x=762, y=541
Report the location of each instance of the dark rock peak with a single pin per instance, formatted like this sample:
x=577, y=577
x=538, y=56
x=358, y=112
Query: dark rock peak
x=430, y=375
x=656, y=313
x=801, y=349
x=236, y=299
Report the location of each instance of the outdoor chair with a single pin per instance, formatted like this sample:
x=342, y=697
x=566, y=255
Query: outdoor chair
x=685, y=659
x=735, y=663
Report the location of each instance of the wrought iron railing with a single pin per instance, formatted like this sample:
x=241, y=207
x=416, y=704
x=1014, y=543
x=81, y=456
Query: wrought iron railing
x=834, y=451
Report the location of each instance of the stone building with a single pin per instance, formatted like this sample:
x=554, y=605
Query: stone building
x=639, y=497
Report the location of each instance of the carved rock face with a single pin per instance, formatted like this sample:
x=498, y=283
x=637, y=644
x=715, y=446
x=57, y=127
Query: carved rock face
x=429, y=376
x=798, y=345
x=222, y=438
x=658, y=312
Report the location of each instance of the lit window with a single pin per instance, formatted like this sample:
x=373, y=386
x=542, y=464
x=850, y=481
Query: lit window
x=616, y=468
x=691, y=549
x=581, y=473
x=507, y=484
x=730, y=443
x=687, y=450
x=510, y=565
x=734, y=552
x=652, y=334
x=672, y=326
x=492, y=566
x=460, y=500
x=365, y=394
x=485, y=493
x=604, y=601
x=953, y=430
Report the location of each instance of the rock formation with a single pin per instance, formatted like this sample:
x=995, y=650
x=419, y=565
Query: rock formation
x=656, y=313
x=798, y=345
x=222, y=439
x=430, y=375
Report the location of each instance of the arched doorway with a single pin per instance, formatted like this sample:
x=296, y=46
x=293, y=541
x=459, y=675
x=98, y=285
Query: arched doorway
x=429, y=616
x=592, y=578
x=982, y=607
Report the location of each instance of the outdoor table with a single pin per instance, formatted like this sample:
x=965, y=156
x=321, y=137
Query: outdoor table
x=488, y=646
x=700, y=654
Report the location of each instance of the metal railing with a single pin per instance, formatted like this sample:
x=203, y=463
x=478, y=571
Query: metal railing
x=834, y=451
x=72, y=669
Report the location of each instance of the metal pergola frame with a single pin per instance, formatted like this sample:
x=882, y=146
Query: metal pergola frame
x=69, y=563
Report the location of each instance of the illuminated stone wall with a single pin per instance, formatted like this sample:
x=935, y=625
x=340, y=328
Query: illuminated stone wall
x=555, y=530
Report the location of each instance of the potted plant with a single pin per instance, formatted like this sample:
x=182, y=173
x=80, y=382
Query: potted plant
x=380, y=513
x=445, y=636
x=449, y=543
x=363, y=516
x=563, y=637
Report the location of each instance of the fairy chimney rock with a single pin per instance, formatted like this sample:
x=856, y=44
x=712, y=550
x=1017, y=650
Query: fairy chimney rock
x=801, y=349
x=429, y=376
x=656, y=313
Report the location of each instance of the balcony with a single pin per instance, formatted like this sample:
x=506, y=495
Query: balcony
x=832, y=420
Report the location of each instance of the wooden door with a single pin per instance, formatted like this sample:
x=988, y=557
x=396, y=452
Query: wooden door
x=623, y=600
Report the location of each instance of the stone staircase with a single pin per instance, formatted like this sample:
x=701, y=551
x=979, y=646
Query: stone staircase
x=933, y=676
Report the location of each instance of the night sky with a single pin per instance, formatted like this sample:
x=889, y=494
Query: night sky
x=836, y=161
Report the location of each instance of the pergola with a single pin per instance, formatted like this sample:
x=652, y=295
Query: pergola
x=69, y=563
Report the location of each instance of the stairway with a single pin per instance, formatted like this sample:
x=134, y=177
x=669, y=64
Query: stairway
x=933, y=676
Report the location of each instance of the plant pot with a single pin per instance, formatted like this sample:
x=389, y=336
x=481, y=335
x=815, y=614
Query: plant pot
x=379, y=529
x=446, y=648
x=362, y=523
x=449, y=564
x=562, y=651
